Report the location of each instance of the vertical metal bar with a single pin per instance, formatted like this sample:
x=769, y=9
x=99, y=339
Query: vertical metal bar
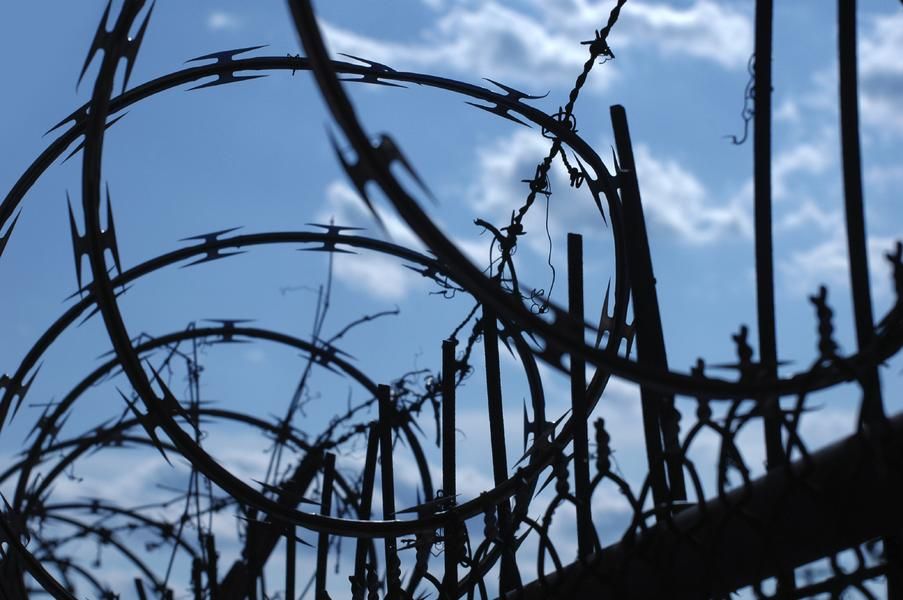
x=494, y=396
x=251, y=560
x=764, y=247
x=765, y=311
x=659, y=414
x=871, y=412
x=509, y=578
x=386, y=413
x=872, y=406
x=323, y=537
x=585, y=544
x=894, y=557
x=449, y=479
x=12, y=579
x=212, y=577
x=264, y=537
x=290, y=546
x=139, y=589
x=359, y=582
x=197, y=586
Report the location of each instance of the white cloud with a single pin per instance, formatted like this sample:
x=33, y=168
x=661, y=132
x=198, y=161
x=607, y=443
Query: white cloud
x=477, y=250
x=219, y=20
x=706, y=30
x=348, y=208
x=797, y=208
x=673, y=197
x=490, y=40
x=880, y=77
x=537, y=43
x=885, y=177
x=498, y=189
x=676, y=199
x=881, y=72
x=134, y=477
x=809, y=213
x=788, y=111
x=381, y=276
x=502, y=165
x=255, y=355
x=812, y=158
x=827, y=263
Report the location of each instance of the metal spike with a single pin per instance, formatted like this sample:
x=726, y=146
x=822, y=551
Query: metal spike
x=283, y=489
x=169, y=401
x=17, y=390
x=213, y=253
x=595, y=187
x=627, y=331
x=109, y=235
x=506, y=340
x=604, y=319
x=546, y=483
x=76, y=116
x=335, y=229
x=223, y=79
x=325, y=365
x=42, y=423
x=131, y=51
x=78, y=243
x=327, y=247
x=500, y=111
x=4, y=239
x=330, y=245
x=328, y=351
x=146, y=422
x=377, y=66
x=372, y=78
x=614, y=160
x=359, y=176
x=228, y=326
x=540, y=431
x=515, y=93
x=429, y=507
x=101, y=41
x=82, y=143
x=206, y=238
x=546, y=433
x=390, y=152
x=96, y=308
x=225, y=56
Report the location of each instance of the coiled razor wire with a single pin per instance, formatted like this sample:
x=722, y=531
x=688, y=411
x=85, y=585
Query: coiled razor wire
x=829, y=519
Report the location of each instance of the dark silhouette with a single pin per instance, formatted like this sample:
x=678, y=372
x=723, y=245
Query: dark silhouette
x=840, y=503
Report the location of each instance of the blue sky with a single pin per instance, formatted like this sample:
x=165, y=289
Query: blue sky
x=255, y=154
